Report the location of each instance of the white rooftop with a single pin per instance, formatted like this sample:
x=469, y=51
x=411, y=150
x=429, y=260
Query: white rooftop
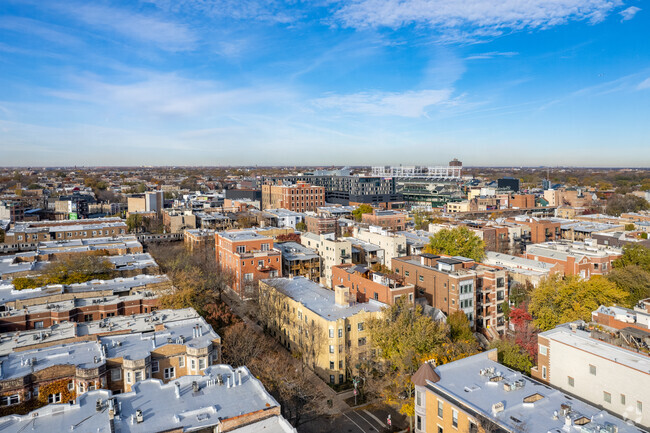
x=320, y=300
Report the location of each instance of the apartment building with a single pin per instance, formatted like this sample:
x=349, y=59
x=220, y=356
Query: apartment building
x=393, y=244
x=284, y=218
x=321, y=225
x=477, y=394
x=365, y=284
x=522, y=270
x=326, y=325
x=151, y=201
x=222, y=400
x=114, y=353
x=459, y=284
x=299, y=261
x=30, y=233
x=199, y=240
x=332, y=252
x=387, y=219
x=568, y=197
x=609, y=377
x=299, y=197
x=575, y=258
x=176, y=221
x=538, y=230
x=248, y=255
x=618, y=318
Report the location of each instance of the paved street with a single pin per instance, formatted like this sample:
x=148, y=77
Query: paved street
x=368, y=419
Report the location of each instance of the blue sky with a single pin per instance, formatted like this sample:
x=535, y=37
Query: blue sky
x=220, y=82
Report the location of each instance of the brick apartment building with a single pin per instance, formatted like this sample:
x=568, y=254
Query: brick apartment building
x=388, y=219
x=34, y=232
x=538, y=230
x=248, y=255
x=575, y=258
x=365, y=284
x=199, y=240
x=321, y=225
x=299, y=197
x=459, y=284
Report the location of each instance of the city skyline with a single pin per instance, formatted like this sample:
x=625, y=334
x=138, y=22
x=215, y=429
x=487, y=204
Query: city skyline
x=362, y=82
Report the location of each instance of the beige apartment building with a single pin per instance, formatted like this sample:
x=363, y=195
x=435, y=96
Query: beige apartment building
x=332, y=251
x=327, y=326
x=393, y=244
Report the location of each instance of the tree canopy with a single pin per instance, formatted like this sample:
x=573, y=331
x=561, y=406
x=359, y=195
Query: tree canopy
x=558, y=299
x=459, y=241
x=71, y=270
x=358, y=212
x=619, y=204
x=636, y=255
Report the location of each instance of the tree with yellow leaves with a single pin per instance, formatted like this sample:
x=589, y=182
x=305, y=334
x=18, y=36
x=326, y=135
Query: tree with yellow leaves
x=559, y=299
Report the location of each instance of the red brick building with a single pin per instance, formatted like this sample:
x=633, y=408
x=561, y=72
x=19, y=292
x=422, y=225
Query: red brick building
x=299, y=197
x=366, y=285
x=248, y=255
x=458, y=284
x=388, y=219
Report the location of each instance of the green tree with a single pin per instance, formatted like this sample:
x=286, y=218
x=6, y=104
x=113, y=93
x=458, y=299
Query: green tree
x=637, y=255
x=633, y=280
x=358, y=212
x=512, y=355
x=301, y=226
x=618, y=204
x=559, y=299
x=459, y=241
x=459, y=327
x=134, y=222
x=629, y=227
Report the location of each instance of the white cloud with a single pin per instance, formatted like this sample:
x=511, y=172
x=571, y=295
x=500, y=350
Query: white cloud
x=275, y=11
x=45, y=31
x=491, y=55
x=406, y=104
x=645, y=84
x=629, y=13
x=167, y=35
x=476, y=17
x=172, y=96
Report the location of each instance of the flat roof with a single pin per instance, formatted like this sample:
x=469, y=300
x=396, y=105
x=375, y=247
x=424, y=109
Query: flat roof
x=294, y=251
x=161, y=408
x=243, y=235
x=320, y=300
x=462, y=382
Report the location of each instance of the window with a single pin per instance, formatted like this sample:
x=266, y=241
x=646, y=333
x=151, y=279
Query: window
x=128, y=377
x=71, y=385
x=454, y=418
x=138, y=376
x=116, y=374
x=440, y=408
x=418, y=398
x=241, y=249
x=340, y=332
x=341, y=378
x=331, y=365
x=54, y=398
x=8, y=400
x=440, y=430
x=181, y=361
x=265, y=247
x=639, y=407
x=202, y=364
x=592, y=369
x=88, y=317
x=623, y=399
x=340, y=365
x=155, y=366
x=331, y=349
x=360, y=326
x=543, y=350
x=570, y=381
x=248, y=277
x=331, y=332
x=260, y=263
x=418, y=422
x=192, y=364
x=406, y=273
x=169, y=373
x=38, y=325
x=362, y=341
x=376, y=296
x=81, y=388
x=331, y=378
x=607, y=397
x=421, y=278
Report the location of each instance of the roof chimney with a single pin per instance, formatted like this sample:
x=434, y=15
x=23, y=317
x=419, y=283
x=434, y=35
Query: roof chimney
x=342, y=296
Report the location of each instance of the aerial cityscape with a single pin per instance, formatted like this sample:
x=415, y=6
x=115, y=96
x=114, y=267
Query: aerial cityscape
x=354, y=216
